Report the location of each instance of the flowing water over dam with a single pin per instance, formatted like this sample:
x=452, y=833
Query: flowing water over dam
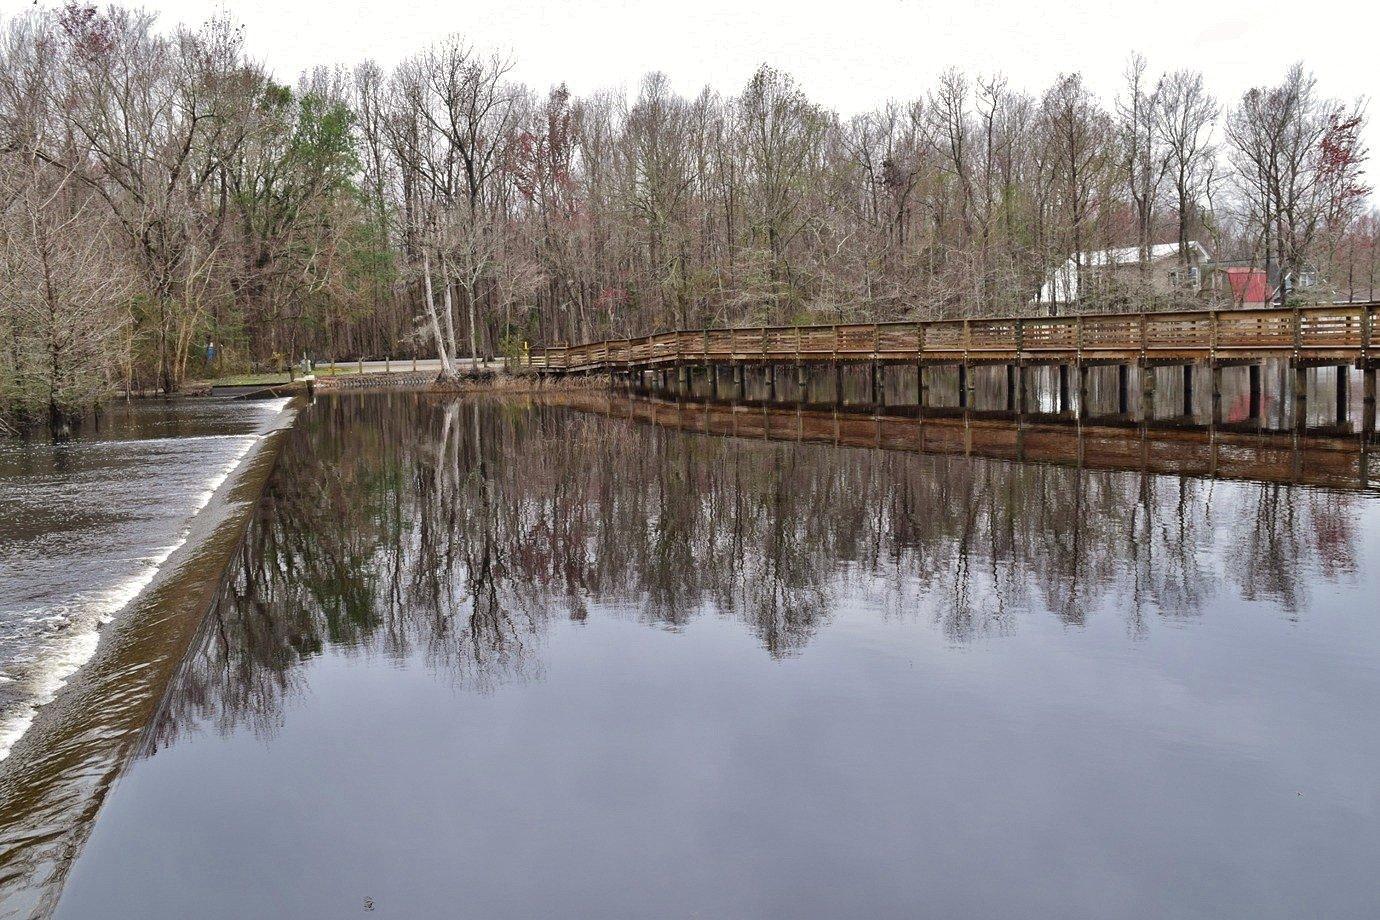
x=589, y=656
x=86, y=523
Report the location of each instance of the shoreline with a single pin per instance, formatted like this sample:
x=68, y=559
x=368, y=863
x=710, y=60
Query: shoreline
x=76, y=746
x=402, y=380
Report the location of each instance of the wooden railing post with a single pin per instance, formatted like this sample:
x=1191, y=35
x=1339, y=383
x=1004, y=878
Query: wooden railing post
x=1367, y=325
x=1368, y=375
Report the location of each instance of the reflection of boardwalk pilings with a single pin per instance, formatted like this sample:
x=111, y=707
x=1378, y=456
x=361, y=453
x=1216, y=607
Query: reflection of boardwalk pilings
x=680, y=363
x=1186, y=450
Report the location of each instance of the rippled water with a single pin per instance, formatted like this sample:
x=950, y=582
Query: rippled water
x=86, y=523
x=509, y=660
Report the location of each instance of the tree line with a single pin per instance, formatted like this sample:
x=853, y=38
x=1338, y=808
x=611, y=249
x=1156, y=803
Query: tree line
x=169, y=210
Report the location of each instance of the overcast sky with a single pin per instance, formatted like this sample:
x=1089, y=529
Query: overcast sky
x=849, y=55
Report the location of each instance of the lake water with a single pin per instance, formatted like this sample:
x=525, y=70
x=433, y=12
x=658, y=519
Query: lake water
x=86, y=523
x=512, y=660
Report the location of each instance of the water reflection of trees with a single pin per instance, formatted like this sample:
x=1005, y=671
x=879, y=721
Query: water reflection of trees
x=403, y=525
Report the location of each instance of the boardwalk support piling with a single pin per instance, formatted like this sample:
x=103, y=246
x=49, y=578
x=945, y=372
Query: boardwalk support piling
x=1216, y=394
x=1300, y=397
x=1368, y=399
x=1343, y=392
x=1147, y=392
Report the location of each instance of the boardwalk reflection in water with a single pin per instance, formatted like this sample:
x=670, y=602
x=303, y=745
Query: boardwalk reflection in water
x=1240, y=451
x=894, y=682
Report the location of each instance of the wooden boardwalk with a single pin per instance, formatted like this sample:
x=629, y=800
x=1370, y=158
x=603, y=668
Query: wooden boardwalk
x=1343, y=336
x=1312, y=336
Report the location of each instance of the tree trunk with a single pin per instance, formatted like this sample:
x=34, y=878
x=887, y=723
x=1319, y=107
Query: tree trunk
x=447, y=368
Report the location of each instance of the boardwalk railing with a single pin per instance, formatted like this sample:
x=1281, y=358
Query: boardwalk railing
x=1329, y=334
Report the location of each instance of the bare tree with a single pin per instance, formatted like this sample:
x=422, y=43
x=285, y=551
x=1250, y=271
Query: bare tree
x=1145, y=156
x=1279, y=139
x=1184, y=114
x=1078, y=133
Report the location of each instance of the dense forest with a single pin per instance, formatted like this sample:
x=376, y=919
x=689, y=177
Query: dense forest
x=160, y=192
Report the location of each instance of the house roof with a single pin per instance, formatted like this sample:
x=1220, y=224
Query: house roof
x=1062, y=284
x=1130, y=255
x=1248, y=285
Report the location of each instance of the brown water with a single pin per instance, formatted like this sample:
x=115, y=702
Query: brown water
x=502, y=660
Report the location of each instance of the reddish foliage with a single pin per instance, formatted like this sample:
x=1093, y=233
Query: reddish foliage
x=89, y=31
x=541, y=164
x=609, y=298
x=1341, y=157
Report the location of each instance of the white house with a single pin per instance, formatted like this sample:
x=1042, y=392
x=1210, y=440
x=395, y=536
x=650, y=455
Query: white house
x=1165, y=273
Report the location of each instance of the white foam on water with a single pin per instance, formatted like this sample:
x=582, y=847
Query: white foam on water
x=64, y=658
x=136, y=443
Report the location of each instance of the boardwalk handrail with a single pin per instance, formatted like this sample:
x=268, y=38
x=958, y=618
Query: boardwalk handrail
x=1329, y=332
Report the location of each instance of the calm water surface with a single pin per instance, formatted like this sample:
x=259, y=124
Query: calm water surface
x=495, y=660
x=86, y=523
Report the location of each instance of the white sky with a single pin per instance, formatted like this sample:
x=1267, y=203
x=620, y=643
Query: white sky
x=849, y=55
